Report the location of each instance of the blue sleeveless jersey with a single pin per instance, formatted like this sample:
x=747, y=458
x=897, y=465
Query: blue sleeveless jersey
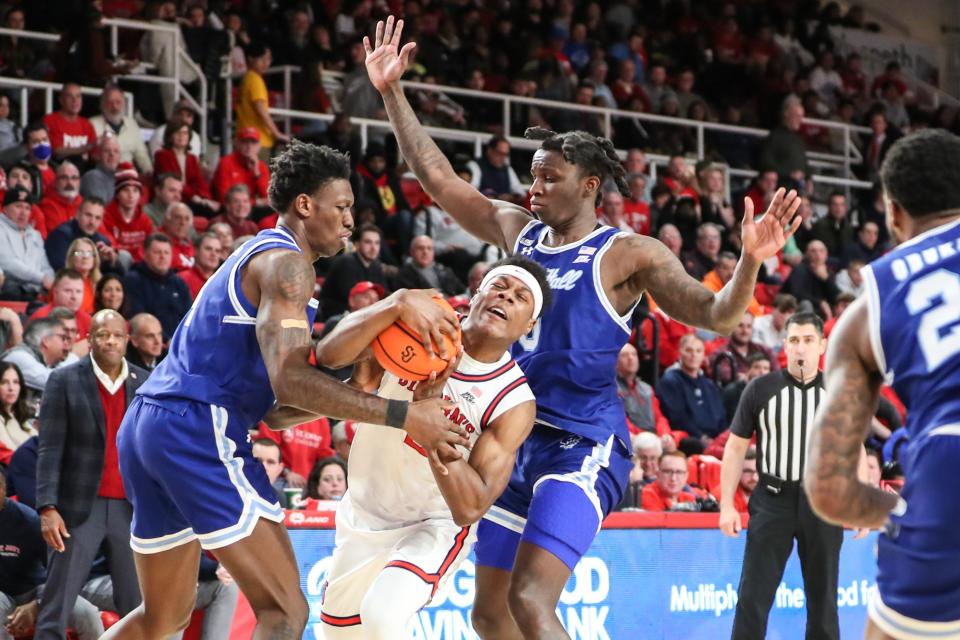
x=214, y=356
x=570, y=356
x=914, y=312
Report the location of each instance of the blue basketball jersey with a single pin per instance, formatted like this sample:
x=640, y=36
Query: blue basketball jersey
x=214, y=356
x=570, y=356
x=914, y=312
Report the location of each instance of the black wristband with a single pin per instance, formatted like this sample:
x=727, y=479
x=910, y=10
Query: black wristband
x=397, y=413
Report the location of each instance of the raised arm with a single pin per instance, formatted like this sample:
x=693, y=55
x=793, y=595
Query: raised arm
x=645, y=264
x=285, y=281
x=471, y=486
x=843, y=420
x=493, y=221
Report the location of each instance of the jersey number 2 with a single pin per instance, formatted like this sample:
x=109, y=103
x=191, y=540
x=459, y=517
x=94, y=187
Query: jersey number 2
x=937, y=341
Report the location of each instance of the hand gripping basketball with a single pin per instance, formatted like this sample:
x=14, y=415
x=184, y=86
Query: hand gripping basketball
x=424, y=339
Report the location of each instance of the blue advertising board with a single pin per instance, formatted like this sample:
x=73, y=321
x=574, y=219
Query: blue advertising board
x=633, y=583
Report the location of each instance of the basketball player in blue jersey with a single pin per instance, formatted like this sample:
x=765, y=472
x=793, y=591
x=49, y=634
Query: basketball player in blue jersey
x=572, y=469
x=241, y=356
x=904, y=330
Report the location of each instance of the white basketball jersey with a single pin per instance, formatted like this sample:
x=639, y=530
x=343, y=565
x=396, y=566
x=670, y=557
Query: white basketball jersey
x=391, y=484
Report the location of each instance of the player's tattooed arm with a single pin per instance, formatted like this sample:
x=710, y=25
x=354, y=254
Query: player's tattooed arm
x=284, y=281
x=493, y=221
x=283, y=417
x=842, y=423
x=648, y=265
x=471, y=486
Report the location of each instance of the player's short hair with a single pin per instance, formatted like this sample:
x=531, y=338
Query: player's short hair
x=593, y=155
x=751, y=454
x=267, y=442
x=304, y=168
x=921, y=173
x=536, y=271
x=804, y=318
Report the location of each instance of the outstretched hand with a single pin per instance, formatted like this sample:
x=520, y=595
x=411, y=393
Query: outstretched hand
x=763, y=238
x=386, y=61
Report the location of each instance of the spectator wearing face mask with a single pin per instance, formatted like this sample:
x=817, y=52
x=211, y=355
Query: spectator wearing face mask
x=35, y=153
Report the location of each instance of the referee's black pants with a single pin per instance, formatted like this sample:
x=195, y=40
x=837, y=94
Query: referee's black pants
x=775, y=520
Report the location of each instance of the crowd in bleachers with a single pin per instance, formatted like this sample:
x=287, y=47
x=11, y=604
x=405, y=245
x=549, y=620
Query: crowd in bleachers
x=105, y=210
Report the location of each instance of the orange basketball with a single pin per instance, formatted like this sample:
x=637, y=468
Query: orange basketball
x=398, y=350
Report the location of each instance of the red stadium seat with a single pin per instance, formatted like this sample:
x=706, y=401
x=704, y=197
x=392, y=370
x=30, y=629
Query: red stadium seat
x=17, y=306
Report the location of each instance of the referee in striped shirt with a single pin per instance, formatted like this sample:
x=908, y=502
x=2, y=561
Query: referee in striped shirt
x=779, y=409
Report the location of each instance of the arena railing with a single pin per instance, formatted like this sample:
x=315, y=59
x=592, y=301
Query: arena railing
x=839, y=161
x=181, y=59
x=478, y=138
x=24, y=86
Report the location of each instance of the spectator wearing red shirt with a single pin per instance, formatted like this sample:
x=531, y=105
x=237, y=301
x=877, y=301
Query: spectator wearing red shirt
x=71, y=135
x=236, y=212
x=243, y=166
x=681, y=179
x=67, y=291
x=763, y=188
x=893, y=74
x=636, y=211
x=610, y=211
x=175, y=158
x=80, y=492
x=301, y=447
x=670, y=489
x=206, y=261
x=854, y=79
x=749, y=477
x=728, y=43
x=178, y=225
x=626, y=88
x=61, y=204
x=123, y=219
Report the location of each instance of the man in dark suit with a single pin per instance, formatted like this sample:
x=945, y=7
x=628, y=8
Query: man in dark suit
x=80, y=494
x=876, y=145
x=423, y=272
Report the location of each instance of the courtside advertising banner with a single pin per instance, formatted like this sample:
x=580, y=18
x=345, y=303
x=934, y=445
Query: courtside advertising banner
x=633, y=583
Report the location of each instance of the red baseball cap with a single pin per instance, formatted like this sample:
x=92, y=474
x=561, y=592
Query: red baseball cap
x=248, y=133
x=365, y=285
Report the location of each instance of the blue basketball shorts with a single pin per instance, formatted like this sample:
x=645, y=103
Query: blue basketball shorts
x=918, y=556
x=188, y=469
x=561, y=489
